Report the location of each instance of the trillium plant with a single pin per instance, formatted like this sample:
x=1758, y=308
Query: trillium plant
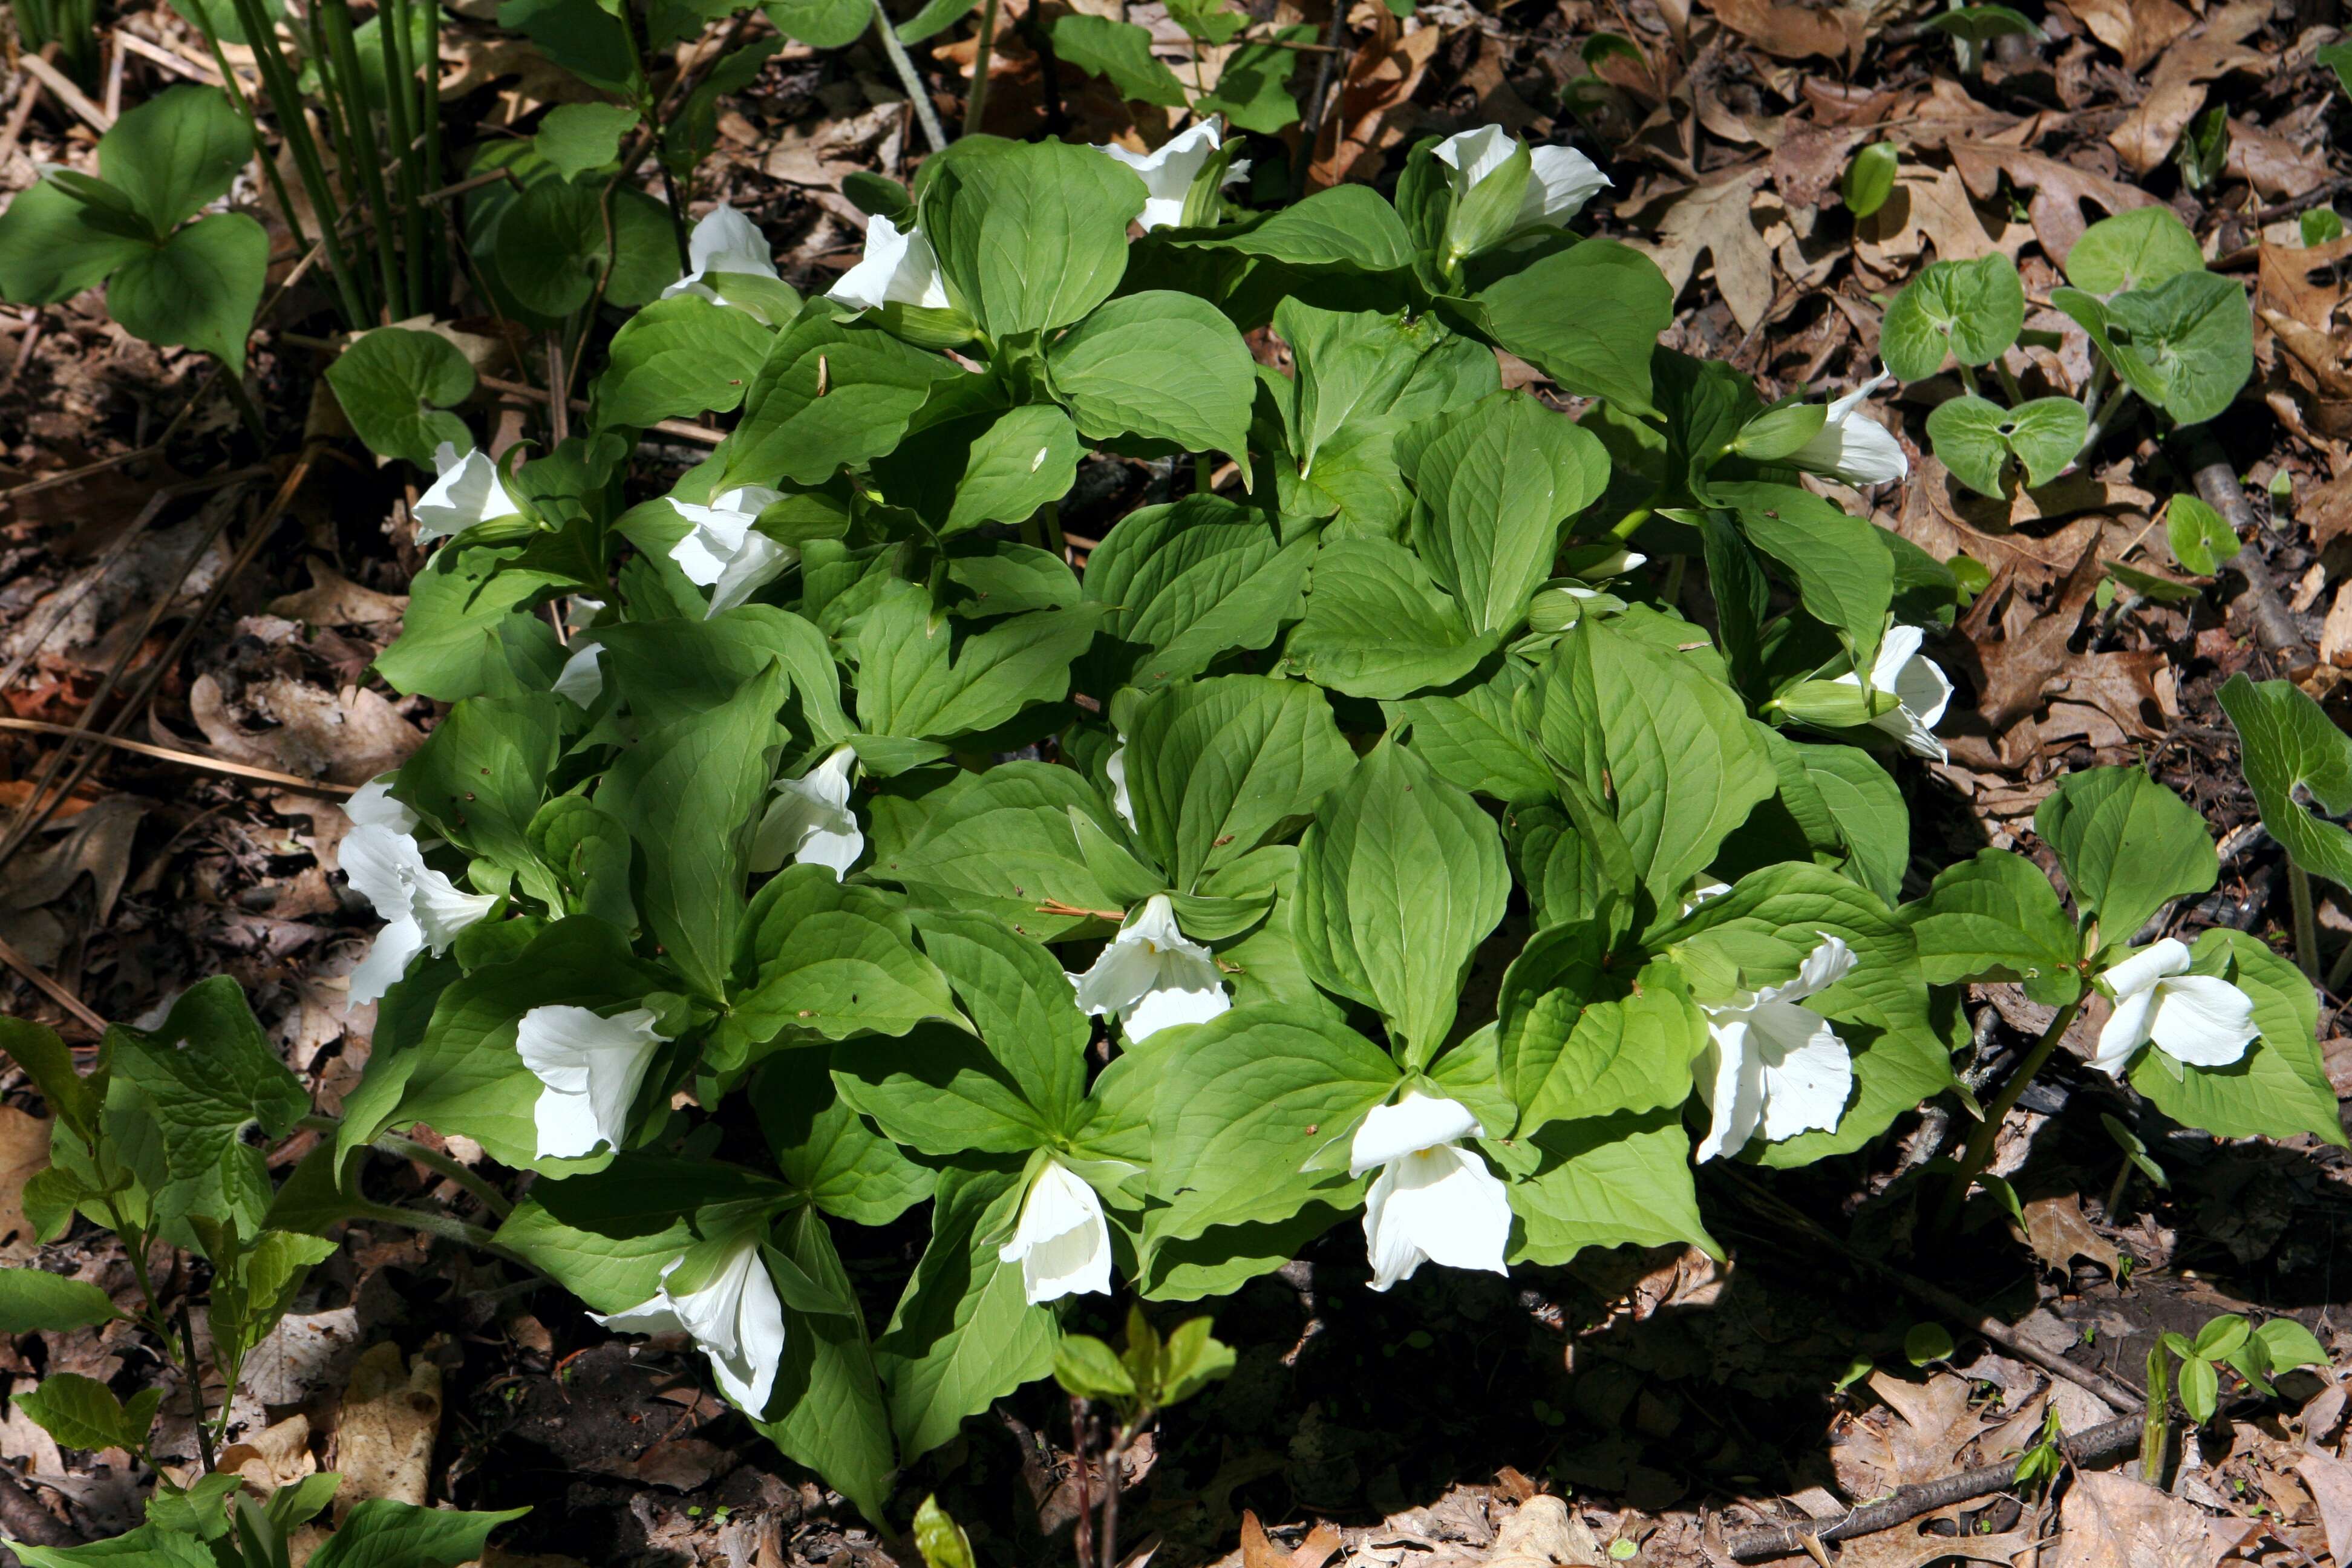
x=1422, y=813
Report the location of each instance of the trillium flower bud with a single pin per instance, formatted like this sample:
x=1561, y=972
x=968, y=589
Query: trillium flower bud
x=1433, y=1201
x=2199, y=1019
x=1559, y=181
x=1152, y=976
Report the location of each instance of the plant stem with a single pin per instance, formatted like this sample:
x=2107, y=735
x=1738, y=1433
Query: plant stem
x=1114, y=1461
x=2154, y=1434
x=2115, y=408
x=286, y=102
x=2306, y=920
x=2009, y=382
x=233, y=383
x=401, y=1148
x=1978, y=1153
x=1968, y=378
x=430, y=1222
x=334, y=20
x=651, y=108
x=195, y=1388
x=391, y=31
x=916, y=93
x=976, y=103
x=1082, y=1537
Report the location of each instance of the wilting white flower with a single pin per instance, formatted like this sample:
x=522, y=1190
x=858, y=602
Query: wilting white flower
x=1434, y=1199
x=467, y=492
x=1168, y=172
x=899, y=268
x=1560, y=180
x=809, y=821
x=1062, y=1243
x=581, y=679
x=2200, y=1019
x=1918, y=686
x=1153, y=976
x=592, y=1067
x=372, y=805
x=737, y=1319
x=1852, y=445
x=1115, y=770
x=724, y=241
x=1770, y=1066
x=726, y=553
x=421, y=908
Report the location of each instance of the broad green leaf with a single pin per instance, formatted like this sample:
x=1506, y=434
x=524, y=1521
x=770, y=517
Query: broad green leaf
x=1030, y=236
x=2201, y=539
x=671, y=670
x=1656, y=734
x=1614, y=1181
x=1120, y=51
x=1493, y=487
x=990, y=468
x=1218, y=767
x=1253, y=91
x=1161, y=366
x=201, y=288
x=482, y=776
x=963, y=1335
x=1970, y=310
x=1364, y=369
x=52, y=246
x=1349, y=228
x=833, y=959
x=1375, y=624
x=679, y=358
x=606, y=1237
x=1845, y=579
x=149, y=1546
x=940, y=1092
x=2293, y=752
x=821, y=24
x=1400, y=878
x=2279, y=1088
x=1587, y=317
x=1000, y=842
x=461, y=614
x=1995, y=916
x=577, y=137
x=1975, y=438
x=2127, y=844
x=1184, y=584
x=689, y=795
x=825, y=1149
x=834, y=1416
x=1017, y=996
x=46, y=1060
x=588, y=852
x=80, y=1413
x=922, y=675
x=34, y=1302
x=1470, y=735
x=829, y=395
x=2134, y=249
x=176, y=153
x=395, y=384
x=2196, y=333
x=1574, y=1041
x=383, y=1534
x=2113, y=338
x=1251, y=1097
x=1871, y=816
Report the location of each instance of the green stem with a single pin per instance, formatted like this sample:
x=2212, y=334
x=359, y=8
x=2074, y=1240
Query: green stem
x=286, y=102
x=334, y=20
x=1978, y=1153
x=1968, y=378
x=429, y=1222
x=196, y=1389
x=916, y=93
x=651, y=108
x=2155, y=1433
x=2116, y=406
x=392, y=1143
x=2306, y=920
x=1626, y=526
x=235, y=87
x=391, y=31
x=2009, y=382
x=976, y=104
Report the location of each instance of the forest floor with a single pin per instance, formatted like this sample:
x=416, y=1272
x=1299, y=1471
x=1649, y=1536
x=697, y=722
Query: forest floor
x=1642, y=1408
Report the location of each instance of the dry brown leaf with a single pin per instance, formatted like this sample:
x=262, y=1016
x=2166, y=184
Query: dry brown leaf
x=1930, y=1423
x=96, y=844
x=1544, y=1534
x=1932, y=207
x=1811, y=159
x=392, y=1414
x=2177, y=90
x=2058, y=1233
x=1790, y=32
x=1375, y=99
x=1905, y=1549
x=2270, y=163
x=1259, y=1550
x=2110, y=1520
x=334, y=600
x=2059, y=189
x=348, y=736
x=2021, y=668
x=2303, y=282
x=273, y=1457
x=24, y=1155
x=2329, y=1482
x=1718, y=219
x=2136, y=30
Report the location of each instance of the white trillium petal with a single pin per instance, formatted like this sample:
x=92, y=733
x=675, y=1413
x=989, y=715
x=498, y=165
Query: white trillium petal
x=810, y=822
x=1440, y=1205
x=467, y=492
x=2125, y=1032
x=2199, y=1019
x=1062, y=1242
x=725, y=552
x=2151, y=964
x=592, y=1067
x=1771, y=1065
x=1168, y=171
x=1152, y=976
x=1807, y=1071
x=1560, y=180
x=899, y=268
x=386, y=960
x=1474, y=154
x=421, y=907
x=1918, y=686
x=373, y=806
x=1731, y=1083
x=581, y=679
x=1853, y=446
x=1417, y=1122
x=724, y=241
x=1115, y=770
x=737, y=1319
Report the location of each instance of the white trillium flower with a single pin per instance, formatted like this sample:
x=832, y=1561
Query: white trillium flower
x=592, y=1067
x=421, y=908
x=1852, y=445
x=809, y=821
x=726, y=553
x=1700, y=889
x=372, y=805
x=1168, y=172
x=2199, y=1019
x=1919, y=685
x=467, y=492
x=1115, y=770
x=737, y=1319
x=1770, y=1066
x=899, y=268
x=1560, y=180
x=581, y=679
x=1152, y=976
x=1434, y=1199
x=1062, y=1242
x=724, y=241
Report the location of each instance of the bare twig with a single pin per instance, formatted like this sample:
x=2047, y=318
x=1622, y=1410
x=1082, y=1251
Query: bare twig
x=185, y=759
x=1311, y=128
x=702, y=434
x=2217, y=482
x=50, y=987
x=2294, y=204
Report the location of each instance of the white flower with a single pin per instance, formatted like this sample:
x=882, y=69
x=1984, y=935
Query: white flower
x=1434, y=1199
x=581, y=679
x=1115, y=770
x=467, y=492
x=727, y=555
x=809, y=821
x=736, y=1319
x=724, y=241
x=2200, y=1019
x=1560, y=180
x=1919, y=688
x=1169, y=170
x=1700, y=889
x=1771, y=1065
x=592, y=1067
x=372, y=805
x=1852, y=445
x=899, y=268
x=1152, y=976
x=422, y=908
x=1062, y=1243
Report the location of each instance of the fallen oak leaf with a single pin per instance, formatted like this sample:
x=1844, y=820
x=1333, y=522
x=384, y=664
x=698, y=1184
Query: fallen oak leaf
x=1717, y=219
x=2177, y=92
x=1790, y=32
x=2057, y=1231
x=2137, y=29
x=24, y=1155
x=2110, y=1520
x=1259, y=1550
x=2058, y=189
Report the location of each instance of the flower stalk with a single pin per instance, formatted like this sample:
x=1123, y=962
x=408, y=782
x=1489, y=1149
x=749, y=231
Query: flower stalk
x=1979, y=1153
